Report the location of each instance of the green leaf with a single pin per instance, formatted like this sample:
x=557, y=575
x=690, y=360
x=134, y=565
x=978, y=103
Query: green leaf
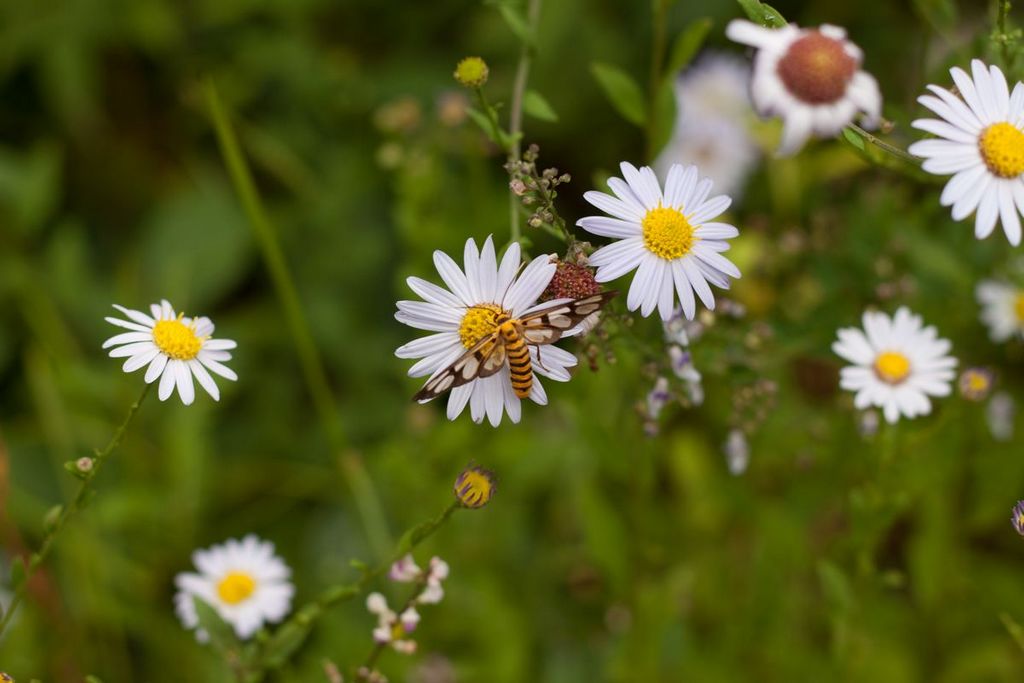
x=536, y=106
x=853, y=138
x=517, y=22
x=762, y=14
x=503, y=139
x=18, y=573
x=685, y=47
x=51, y=518
x=664, y=117
x=622, y=91
x=220, y=633
x=285, y=642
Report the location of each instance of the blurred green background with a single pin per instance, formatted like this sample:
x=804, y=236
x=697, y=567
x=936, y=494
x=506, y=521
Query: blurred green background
x=607, y=554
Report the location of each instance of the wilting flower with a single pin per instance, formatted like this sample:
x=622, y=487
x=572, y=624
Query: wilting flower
x=712, y=107
x=897, y=364
x=811, y=78
x=976, y=383
x=174, y=347
x=981, y=144
x=244, y=581
x=1018, y=517
x=468, y=311
x=574, y=281
x=665, y=237
x=391, y=627
x=1002, y=308
x=474, y=487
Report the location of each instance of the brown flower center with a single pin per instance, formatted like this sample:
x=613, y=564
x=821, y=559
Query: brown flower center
x=816, y=69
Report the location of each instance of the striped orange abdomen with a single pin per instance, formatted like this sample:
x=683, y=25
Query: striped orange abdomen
x=518, y=359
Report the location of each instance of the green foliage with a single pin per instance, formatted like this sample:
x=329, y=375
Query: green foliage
x=607, y=554
x=622, y=91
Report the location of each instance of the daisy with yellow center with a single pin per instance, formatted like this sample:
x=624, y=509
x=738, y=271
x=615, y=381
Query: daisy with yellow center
x=1002, y=309
x=810, y=78
x=243, y=581
x=467, y=311
x=667, y=237
x=980, y=142
x=897, y=364
x=173, y=348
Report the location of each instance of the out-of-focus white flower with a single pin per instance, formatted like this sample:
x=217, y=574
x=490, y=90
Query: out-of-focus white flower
x=657, y=398
x=999, y=414
x=737, y=451
x=684, y=369
x=243, y=581
x=1002, y=309
x=711, y=128
x=897, y=364
x=811, y=78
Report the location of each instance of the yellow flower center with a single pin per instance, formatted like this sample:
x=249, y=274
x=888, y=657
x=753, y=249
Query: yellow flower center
x=977, y=383
x=1002, y=148
x=892, y=367
x=474, y=487
x=667, y=233
x=236, y=587
x=176, y=339
x=1018, y=307
x=478, y=322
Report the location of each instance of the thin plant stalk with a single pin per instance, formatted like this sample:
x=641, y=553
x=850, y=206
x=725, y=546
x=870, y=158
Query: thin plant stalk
x=313, y=371
x=289, y=636
x=515, y=121
x=81, y=499
x=659, y=21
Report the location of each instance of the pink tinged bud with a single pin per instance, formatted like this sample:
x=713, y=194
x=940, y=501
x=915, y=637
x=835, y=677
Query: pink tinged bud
x=404, y=570
x=438, y=568
x=432, y=594
x=410, y=619
x=406, y=647
x=382, y=634
x=377, y=603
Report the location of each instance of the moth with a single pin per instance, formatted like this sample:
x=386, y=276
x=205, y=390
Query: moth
x=509, y=342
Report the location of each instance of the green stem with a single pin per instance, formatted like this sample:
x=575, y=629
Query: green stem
x=659, y=22
x=313, y=370
x=492, y=116
x=515, y=125
x=885, y=146
x=85, y=492
x=293, y=632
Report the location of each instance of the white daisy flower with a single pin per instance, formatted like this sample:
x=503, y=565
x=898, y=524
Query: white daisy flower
x=466, y=312
x=897, y=364
x=665, y=237
x=712, y=107
x=810, y=78
x=174, y=348
x=981, y=144
x=244, y=581
x=1002, y=309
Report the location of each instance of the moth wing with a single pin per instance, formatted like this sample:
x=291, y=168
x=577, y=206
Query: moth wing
x=547, y=325
x=484, y=359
